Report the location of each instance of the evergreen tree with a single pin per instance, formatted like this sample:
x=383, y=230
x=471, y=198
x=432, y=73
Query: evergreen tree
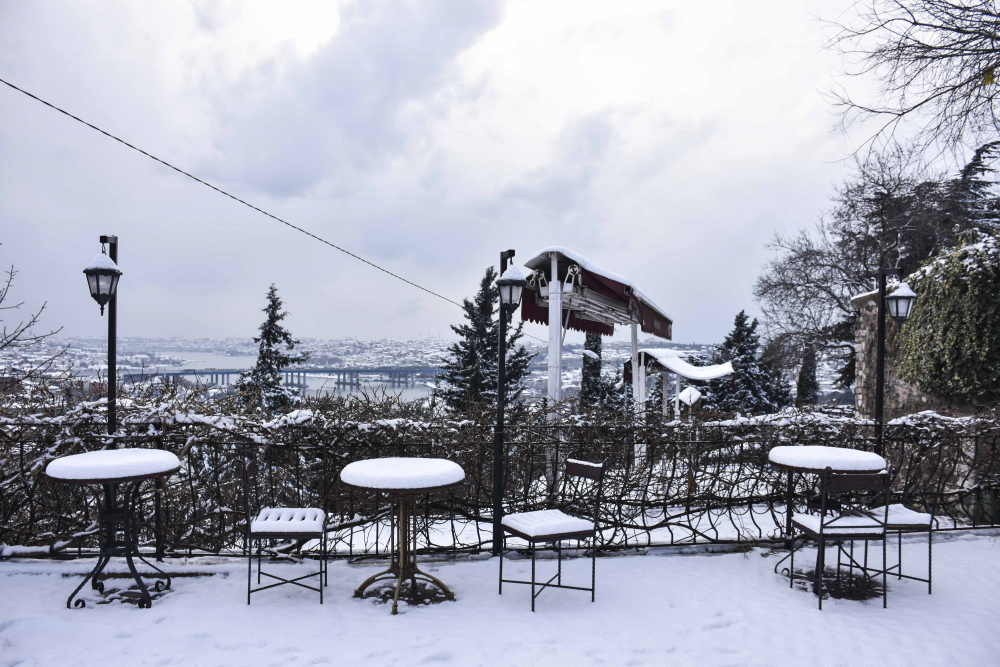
x=754, y=387
x=807, y=387
x=262, y=385
x=470, y=374
x=592, y=386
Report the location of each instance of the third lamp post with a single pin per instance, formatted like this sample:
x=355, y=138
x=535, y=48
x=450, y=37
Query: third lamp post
x=899, y=304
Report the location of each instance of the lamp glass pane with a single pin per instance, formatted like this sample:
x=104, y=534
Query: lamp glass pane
x=104, y=285
x=92, y=284
x=904, y=307
x=114, y=284
x=505, y=294
x=516, y=293
x=893, y=305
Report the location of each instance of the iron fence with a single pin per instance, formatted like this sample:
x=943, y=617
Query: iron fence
x=667, y=483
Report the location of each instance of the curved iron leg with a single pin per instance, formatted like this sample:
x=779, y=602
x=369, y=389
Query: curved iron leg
x=159, y=586
x=91, y=577
x=360, y=590
x=95, y=583
x=145, y=602
x=437, y=582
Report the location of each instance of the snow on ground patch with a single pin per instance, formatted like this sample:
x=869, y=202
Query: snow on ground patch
x=723, y=609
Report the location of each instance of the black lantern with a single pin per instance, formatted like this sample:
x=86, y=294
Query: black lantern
x=511, y=283
x=900, y=302
x=102, y=278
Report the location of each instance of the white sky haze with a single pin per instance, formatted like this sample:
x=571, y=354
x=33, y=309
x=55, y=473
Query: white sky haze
x=664, y=140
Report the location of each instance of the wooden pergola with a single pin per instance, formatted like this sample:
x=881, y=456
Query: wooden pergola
x=567, y=291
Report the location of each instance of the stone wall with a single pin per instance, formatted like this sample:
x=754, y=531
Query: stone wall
x=901, y=397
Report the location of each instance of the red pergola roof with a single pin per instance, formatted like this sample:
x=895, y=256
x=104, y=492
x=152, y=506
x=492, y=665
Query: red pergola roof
x=599, y=299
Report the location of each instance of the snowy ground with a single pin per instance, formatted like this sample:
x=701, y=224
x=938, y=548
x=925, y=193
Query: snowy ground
x=655, y=609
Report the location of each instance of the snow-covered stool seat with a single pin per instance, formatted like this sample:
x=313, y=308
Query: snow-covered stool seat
x=288, y=522
x=544, y=525
x=581, y=488
x=902, y=517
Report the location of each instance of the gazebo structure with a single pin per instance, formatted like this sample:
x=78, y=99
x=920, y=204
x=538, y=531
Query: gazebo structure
x=667, y=361
x=566, y=291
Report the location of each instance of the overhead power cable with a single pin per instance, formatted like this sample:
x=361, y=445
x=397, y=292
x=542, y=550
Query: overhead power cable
x=235, y=198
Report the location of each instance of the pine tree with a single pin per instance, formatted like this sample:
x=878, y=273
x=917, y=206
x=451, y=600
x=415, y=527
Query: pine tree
x=592, y=387
x=470, y=374
x=807, y=387
x=261, y=385
x=754, y=387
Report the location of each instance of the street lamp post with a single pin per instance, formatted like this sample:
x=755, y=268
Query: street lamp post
x=899, y=304
x=102, y=279
x=510, y=284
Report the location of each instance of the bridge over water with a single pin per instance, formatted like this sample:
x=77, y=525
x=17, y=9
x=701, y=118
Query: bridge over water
x=341, y=378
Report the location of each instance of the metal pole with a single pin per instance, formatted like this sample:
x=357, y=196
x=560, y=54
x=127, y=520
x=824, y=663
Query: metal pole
x=880, y=358
x=498, y=442
x=112, y=242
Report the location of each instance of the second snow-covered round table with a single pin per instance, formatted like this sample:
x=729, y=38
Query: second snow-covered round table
x=403, y=480
x=816, y=459
x=118, y=529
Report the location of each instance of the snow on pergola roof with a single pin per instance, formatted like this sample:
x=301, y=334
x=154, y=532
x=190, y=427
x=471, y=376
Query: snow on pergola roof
x=599, y=298
x=669, y=360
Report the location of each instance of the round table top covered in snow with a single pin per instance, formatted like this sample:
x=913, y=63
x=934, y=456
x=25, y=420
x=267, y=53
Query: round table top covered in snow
x=817, y=458
x=110, y=466
x=403, y=474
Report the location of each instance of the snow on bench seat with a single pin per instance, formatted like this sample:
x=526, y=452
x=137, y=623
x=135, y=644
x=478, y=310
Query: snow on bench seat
x=546, y=522
x=288, y=520
x=819, y=457
x=904, y=517
x=847, y=525
x=402, y=473
x=112, y=464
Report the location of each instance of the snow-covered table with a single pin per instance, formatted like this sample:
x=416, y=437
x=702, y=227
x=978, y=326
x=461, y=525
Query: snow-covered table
x=403, y=480
x=118, y=534
x=817, y=459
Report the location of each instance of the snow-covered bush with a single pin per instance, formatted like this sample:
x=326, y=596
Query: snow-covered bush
x=950, y=346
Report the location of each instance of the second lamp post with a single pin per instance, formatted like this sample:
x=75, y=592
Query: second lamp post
x=510, y=284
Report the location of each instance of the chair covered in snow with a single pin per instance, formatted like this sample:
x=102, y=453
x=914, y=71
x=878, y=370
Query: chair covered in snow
x=852, y=507
x=280, y=524
x=581, y=495
x=901, y=519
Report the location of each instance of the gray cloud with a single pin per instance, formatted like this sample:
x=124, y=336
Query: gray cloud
x=338, y=112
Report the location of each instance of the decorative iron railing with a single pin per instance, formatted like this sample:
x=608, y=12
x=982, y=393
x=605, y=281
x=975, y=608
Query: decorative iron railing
x=668, y=483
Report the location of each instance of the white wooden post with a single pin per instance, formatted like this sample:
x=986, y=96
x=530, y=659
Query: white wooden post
x=642, y=382
x=677, y=396
x=635, y=365
x=555, y=332
x=666, y=403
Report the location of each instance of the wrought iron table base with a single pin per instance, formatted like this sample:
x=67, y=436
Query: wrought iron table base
x=112, y=521
x=403, y=564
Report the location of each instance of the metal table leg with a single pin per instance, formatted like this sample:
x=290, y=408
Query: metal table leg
x=403, y=563
x=116, y=520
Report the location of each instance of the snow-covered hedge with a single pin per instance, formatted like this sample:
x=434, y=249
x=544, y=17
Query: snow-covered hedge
x=667, y=483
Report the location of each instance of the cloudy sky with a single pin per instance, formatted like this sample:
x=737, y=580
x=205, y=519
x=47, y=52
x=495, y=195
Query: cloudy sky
x=664, y=140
